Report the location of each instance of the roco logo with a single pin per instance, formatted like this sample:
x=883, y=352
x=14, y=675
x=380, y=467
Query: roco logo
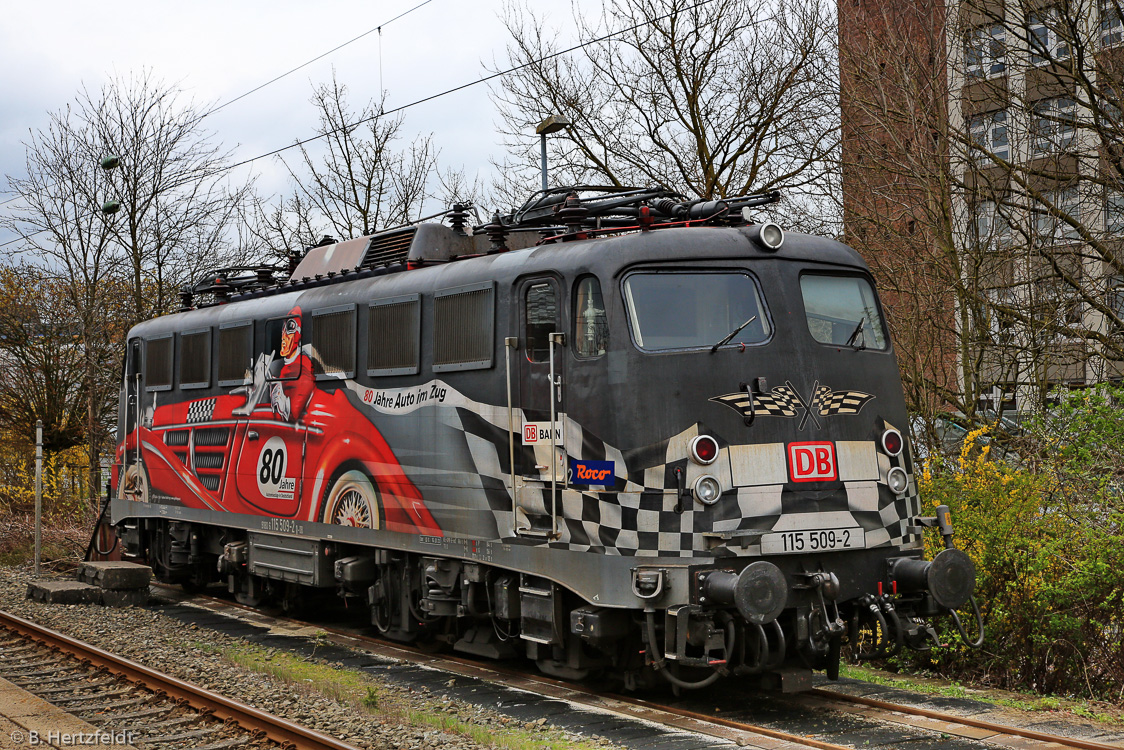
x=592, y=472
x=811, y=462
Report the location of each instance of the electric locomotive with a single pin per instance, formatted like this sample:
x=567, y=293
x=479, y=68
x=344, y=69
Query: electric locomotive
x=616, y=431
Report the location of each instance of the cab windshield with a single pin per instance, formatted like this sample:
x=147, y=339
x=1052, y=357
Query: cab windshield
x=842, y=311
x=694, y=310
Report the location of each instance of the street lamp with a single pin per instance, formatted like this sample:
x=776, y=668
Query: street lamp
x=552, y=124
x=109, y=163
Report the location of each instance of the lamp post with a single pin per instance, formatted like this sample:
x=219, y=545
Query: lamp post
x=109, y=163
x=552, y=124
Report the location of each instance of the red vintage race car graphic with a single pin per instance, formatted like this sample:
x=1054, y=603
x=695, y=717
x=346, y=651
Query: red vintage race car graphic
x=281, y=448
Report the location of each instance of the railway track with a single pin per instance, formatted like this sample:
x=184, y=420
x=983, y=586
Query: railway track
x=154, y=710
x=966, y=731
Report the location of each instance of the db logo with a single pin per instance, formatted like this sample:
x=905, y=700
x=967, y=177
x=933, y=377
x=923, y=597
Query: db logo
x=811, y=462
x=530, y=433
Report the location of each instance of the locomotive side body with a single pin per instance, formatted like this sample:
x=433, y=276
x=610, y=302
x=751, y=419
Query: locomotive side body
x=673, y=452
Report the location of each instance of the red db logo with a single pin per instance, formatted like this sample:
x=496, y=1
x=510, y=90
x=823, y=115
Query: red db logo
x=530, y=433
x=811, y=462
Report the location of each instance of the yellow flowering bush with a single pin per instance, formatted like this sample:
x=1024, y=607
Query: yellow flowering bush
x=1047, y=538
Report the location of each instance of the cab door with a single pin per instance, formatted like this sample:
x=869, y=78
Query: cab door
x=541, y=458
x=270, y=441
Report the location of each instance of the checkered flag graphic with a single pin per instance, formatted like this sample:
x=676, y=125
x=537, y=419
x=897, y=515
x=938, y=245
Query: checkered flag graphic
x=830, y=403
x=779, y=402
x=200, y=411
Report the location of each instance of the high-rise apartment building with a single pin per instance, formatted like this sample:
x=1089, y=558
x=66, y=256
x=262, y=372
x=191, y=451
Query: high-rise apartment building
x=983, y=149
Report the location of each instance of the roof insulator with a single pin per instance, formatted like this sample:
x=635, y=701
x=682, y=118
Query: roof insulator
x=458, y=217
x=572, y=212
x=497, y=234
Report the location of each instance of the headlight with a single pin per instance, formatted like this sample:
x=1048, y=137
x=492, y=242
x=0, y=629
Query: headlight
x=707, y=490
x=897, y=479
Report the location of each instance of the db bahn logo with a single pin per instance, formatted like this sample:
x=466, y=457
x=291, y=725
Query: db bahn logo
x=811, y=462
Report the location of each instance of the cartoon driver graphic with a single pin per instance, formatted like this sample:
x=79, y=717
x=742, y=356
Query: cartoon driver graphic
x=289, y=397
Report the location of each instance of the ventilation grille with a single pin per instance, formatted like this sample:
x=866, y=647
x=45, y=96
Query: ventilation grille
x=208, y=460
x=392, y=247
x=234, y=352
x=210, y=481
x=195, y=359
x=158, y=363
x=462, y=329
x=333, y=336
x=392, y=337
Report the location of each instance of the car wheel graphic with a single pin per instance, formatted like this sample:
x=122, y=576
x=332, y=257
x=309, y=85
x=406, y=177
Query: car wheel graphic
x=133, y=484
x=352, y=500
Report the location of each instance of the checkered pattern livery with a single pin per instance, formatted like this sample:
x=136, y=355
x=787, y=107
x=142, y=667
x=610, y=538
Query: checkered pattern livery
x=779, y=402
x=637, y=515
x=830, y=403
x=201, y=410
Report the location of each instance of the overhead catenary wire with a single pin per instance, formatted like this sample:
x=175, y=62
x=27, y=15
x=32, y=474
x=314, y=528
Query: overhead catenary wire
x=305, y=64
x=446, y=92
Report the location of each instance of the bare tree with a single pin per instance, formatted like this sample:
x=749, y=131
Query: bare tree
x=713, y=100
x=176, y=214
x=360, y=182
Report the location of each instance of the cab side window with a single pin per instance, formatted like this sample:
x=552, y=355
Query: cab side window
x=591, y=330
x=541, y=319
x=158, y=363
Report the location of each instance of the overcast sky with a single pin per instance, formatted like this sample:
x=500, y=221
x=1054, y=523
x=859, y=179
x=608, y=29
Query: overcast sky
x=219, y=50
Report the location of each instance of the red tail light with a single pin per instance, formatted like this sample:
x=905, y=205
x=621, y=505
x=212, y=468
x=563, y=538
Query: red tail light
x=704, y=450
x=892, y=442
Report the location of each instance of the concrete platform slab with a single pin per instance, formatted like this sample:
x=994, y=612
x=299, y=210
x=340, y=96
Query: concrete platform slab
x=63, y=592
x=116, y=575
x=29, y=721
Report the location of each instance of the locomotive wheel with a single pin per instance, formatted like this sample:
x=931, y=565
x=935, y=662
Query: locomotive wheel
x=352, y=500
x=134, y=484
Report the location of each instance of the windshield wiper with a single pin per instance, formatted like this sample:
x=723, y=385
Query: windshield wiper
x=732, y=333
x=851, y=340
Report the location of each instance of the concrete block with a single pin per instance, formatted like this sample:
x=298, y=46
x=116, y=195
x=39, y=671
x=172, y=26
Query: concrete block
x=124, y=597
x=115, y=575
x=63, y=592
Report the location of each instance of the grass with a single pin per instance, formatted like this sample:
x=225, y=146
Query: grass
x=356, y=689
x=1006, y=699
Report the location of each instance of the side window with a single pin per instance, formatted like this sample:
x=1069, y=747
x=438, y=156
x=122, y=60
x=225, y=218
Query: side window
x=333, y=340
x=393, y=335
x=464, y=327
x=195, y=359
x=541, y=315
x=158, y=364
x=591, y=331
x=283, y=347
x=236, y=359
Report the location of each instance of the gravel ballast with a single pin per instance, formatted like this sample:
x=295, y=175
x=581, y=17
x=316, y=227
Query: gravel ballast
x=193, y=654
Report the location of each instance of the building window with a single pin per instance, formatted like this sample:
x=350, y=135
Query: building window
x=1054, y=125
x=463, y=327
x=991, y=225
x=158, y=364
x=989, y=134
x=985, y=51
x=1114, y=300
x=333, y=340
x=1046, y=45
x=393, y=335
x=236, y=343
x=1051, y=223
x=195, y=359
x=1112, y=30
x=1114, y=212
